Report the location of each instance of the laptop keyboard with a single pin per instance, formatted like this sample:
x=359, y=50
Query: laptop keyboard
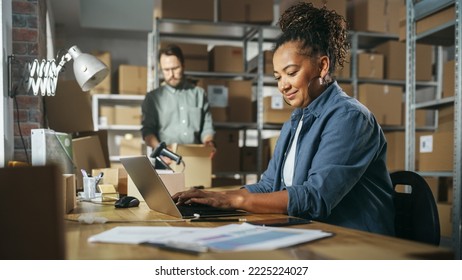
x=202, y=209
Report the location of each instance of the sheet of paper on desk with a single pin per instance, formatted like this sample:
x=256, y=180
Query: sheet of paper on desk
x=241, y=237
x=140, y=234
x=234, y=237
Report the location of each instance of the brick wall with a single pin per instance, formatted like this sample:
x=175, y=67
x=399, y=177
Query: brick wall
x=29, y=42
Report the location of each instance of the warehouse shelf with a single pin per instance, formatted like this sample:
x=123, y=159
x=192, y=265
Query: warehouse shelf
x=446, y=34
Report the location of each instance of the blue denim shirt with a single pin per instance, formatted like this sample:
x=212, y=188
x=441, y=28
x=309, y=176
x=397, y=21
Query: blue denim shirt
x=340, y=174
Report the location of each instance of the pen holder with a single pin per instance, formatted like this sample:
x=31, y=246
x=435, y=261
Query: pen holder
x=89, y=188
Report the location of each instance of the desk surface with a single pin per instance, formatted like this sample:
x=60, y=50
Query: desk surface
x=345, y=244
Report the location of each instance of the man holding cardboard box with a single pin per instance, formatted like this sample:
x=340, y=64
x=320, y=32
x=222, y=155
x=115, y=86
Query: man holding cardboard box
x=177, y=111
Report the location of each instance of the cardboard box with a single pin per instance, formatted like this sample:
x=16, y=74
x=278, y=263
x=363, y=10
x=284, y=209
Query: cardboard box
x=131, y=146
x=219, y=114
x=88, y=155
x=396, y=150
x=267, y=63
x=429, y=22
x=436, y=151
x=251, y=11
x=275, y=110
x=127, y=115
x=345, y=72
x=446, y=118
x=384, y=101
x=249, y=157
x=227, y=157
x=370, y=66
x=180, y=9
x=69, y=192
x=226, y=182
x=339, y=6
x=394, y=53
x=374, y=15
x=105, y=86
x=239, y=98
x=103, y=139
x=347, y=88
x=173, y=181
x=72, y=102
x=226, y=59
x=449, y=72
x=116, y=176
x=133, y=79
x=106, y=115
x=198, y=164
x=445, y=217
x=195, y=55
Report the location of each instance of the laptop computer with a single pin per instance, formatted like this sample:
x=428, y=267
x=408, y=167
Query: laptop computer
x=158, y=198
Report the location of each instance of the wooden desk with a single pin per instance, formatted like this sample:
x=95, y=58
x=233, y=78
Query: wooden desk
x=345, y=244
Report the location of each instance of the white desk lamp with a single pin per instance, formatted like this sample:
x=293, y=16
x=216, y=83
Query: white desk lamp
x=42, y=76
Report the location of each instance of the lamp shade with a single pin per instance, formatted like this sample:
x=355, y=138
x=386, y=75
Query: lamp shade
x=88, y=70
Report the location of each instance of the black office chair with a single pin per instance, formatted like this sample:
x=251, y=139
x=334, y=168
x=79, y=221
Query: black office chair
x=416, y=215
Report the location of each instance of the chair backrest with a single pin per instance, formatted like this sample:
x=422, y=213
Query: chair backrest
x=416, y=215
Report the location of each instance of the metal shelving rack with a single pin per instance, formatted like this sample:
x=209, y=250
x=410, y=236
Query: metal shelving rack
x=218, y=32
x=451, y=30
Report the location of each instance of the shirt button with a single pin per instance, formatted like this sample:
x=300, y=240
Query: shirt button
x=183, y=121
x=181, y=108
x=185, y=133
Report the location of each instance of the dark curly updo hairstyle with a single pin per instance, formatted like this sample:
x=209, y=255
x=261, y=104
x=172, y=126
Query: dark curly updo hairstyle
x=320, y=32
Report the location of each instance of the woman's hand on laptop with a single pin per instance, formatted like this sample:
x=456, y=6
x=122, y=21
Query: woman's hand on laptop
x=225, y=200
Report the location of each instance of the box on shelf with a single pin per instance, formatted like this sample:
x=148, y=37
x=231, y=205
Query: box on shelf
x=446, y=118
x=239, y=107
x=394, y=53
x=250, y=11
x=226, y=59
x=249, y=157
x=275, y=110
x=449, y=71
x=429, y=22
x=198, y=164
x=370, y=66
x=227, y=157
x=421, y=117
x=267, y=63
x=436, y=151
x=105, y=86
x=345, y=71
x=132, y=79
x=396, y=150
x=384, y=101
x=445, y=217
x=195, y=55
x=340, y=6
x=347, y=88
x=131, y=146
x=374, y=15
x=127, y=115
x=219, y=114
x=106, y=115
x=180, y=9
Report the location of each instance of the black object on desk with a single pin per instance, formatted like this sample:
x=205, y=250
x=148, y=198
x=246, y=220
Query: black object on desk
x=126, y=202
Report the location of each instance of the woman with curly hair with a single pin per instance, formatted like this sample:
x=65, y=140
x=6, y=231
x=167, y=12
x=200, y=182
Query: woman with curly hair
x=329, y=163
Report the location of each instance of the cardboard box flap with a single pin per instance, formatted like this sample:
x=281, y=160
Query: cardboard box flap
x=194, y=150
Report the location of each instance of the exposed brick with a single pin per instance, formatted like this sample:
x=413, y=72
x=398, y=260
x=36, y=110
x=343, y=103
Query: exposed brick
x=22, y=7
x=35, y=116
x=25, y=35
x=20, y=48
x=25, y=128
x=20, y=155
x=29, y=102
x=32, y=22
x=23, y=115
x=18, y=142
x=20, y=21
x=33, y=49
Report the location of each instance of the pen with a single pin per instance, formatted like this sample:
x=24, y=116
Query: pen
x=218, y=220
